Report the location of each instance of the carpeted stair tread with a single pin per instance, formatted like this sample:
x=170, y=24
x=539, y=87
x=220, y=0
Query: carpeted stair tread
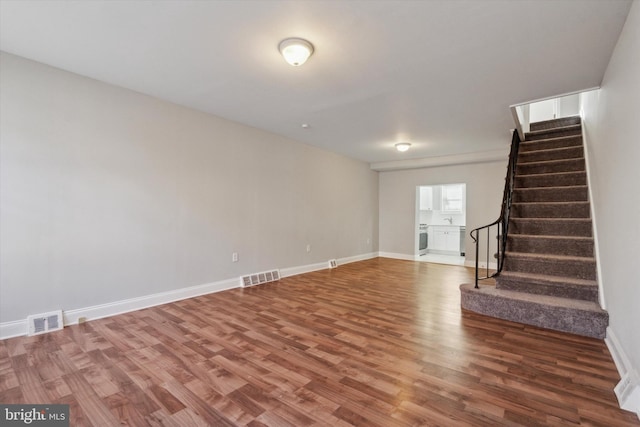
x=551, y=154
x=543, y=284
x=550, y=143
x=579, y=267
x=551, y=162
x=544, y=257
x=552, y=236
x=568, y=193
x=551, y=179
x=558, y=131
x=545, y=278
x=565, y=127
x=552, y=226
x=575, y=202
x=552, y=245
x=580, y=317
x=551, y=166
x=555, y=123
x=577, y=209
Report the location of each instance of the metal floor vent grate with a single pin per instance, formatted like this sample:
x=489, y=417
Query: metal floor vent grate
x=259, y=278
x=333, y=263
x=45, y=322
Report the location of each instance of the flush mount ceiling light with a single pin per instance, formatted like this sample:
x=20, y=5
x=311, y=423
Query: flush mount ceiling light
x=295, y=51
x=402, y=146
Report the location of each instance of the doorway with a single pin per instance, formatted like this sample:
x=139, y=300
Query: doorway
x=441, y=223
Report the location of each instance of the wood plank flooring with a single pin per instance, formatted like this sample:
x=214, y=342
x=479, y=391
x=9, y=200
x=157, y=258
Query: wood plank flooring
x=376, y=343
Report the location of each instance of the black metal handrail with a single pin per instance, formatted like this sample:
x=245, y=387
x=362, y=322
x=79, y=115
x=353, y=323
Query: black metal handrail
x=502, y=223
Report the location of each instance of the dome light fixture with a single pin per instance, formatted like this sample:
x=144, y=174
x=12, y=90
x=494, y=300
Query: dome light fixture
x=402, y=146
x=295, y=51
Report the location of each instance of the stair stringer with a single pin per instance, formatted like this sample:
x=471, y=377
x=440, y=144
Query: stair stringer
x=594, y=222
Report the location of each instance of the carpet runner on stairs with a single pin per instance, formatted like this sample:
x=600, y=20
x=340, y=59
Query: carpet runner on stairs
x=549, y=275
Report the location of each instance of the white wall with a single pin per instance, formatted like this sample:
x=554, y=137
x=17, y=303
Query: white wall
x=541, y=111
x=485, y=185
x=564, y=106
x=612, y=128
x=107, y=194
x=569, y=106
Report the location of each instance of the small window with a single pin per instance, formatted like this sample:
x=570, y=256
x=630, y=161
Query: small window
x=452, y=198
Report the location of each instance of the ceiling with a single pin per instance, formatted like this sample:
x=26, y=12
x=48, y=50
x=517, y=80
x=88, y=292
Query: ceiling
x=438, y=74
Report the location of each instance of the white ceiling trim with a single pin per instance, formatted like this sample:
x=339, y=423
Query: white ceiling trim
x=575, y=92
x=455, y=159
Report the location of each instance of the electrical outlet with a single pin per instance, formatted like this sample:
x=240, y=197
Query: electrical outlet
x=234, y=257
x=308, y=248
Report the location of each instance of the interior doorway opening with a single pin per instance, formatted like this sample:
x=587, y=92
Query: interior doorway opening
x=441, y=216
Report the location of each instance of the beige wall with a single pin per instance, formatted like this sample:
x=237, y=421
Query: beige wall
x=485, y=185
x=613, y=147
x=107, y=194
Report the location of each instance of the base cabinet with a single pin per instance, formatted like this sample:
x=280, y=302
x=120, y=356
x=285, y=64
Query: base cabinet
x=446, y=239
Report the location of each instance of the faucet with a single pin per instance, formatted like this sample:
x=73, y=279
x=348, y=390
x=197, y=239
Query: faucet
x=450, y=219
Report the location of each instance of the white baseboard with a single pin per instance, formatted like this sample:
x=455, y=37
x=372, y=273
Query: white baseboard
x=628, y=389
x=293, y=271
x=302, y=269
x=19, y=327
x=492, y=265
x=405, y=257
x=357, y=258
x=12, y=329
x=125, y=306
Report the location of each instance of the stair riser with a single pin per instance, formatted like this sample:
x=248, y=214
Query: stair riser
x=553, y=134
x=570, y=165
x=573, y=178
x=550, y=228
x=585, y=293
x=554, y=123
x=552, y=194
x=541, y=245
x=564, y=319
x=561, y=268
x=550, y=210
x=569, y=141
x=557, y=154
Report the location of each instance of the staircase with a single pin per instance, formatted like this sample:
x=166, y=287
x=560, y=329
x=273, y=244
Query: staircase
x=549, y=274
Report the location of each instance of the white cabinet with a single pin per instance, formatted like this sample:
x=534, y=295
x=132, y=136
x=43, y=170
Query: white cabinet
x=426, y=199
x=445, y=238
x=430, y=198
x=438, y=239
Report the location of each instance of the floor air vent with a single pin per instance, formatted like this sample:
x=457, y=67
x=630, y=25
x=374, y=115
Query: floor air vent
x=333, y=263
x=259, y=278
x=45, y=322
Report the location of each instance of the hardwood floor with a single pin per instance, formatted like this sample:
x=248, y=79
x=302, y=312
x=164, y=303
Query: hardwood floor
x=375, y=343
